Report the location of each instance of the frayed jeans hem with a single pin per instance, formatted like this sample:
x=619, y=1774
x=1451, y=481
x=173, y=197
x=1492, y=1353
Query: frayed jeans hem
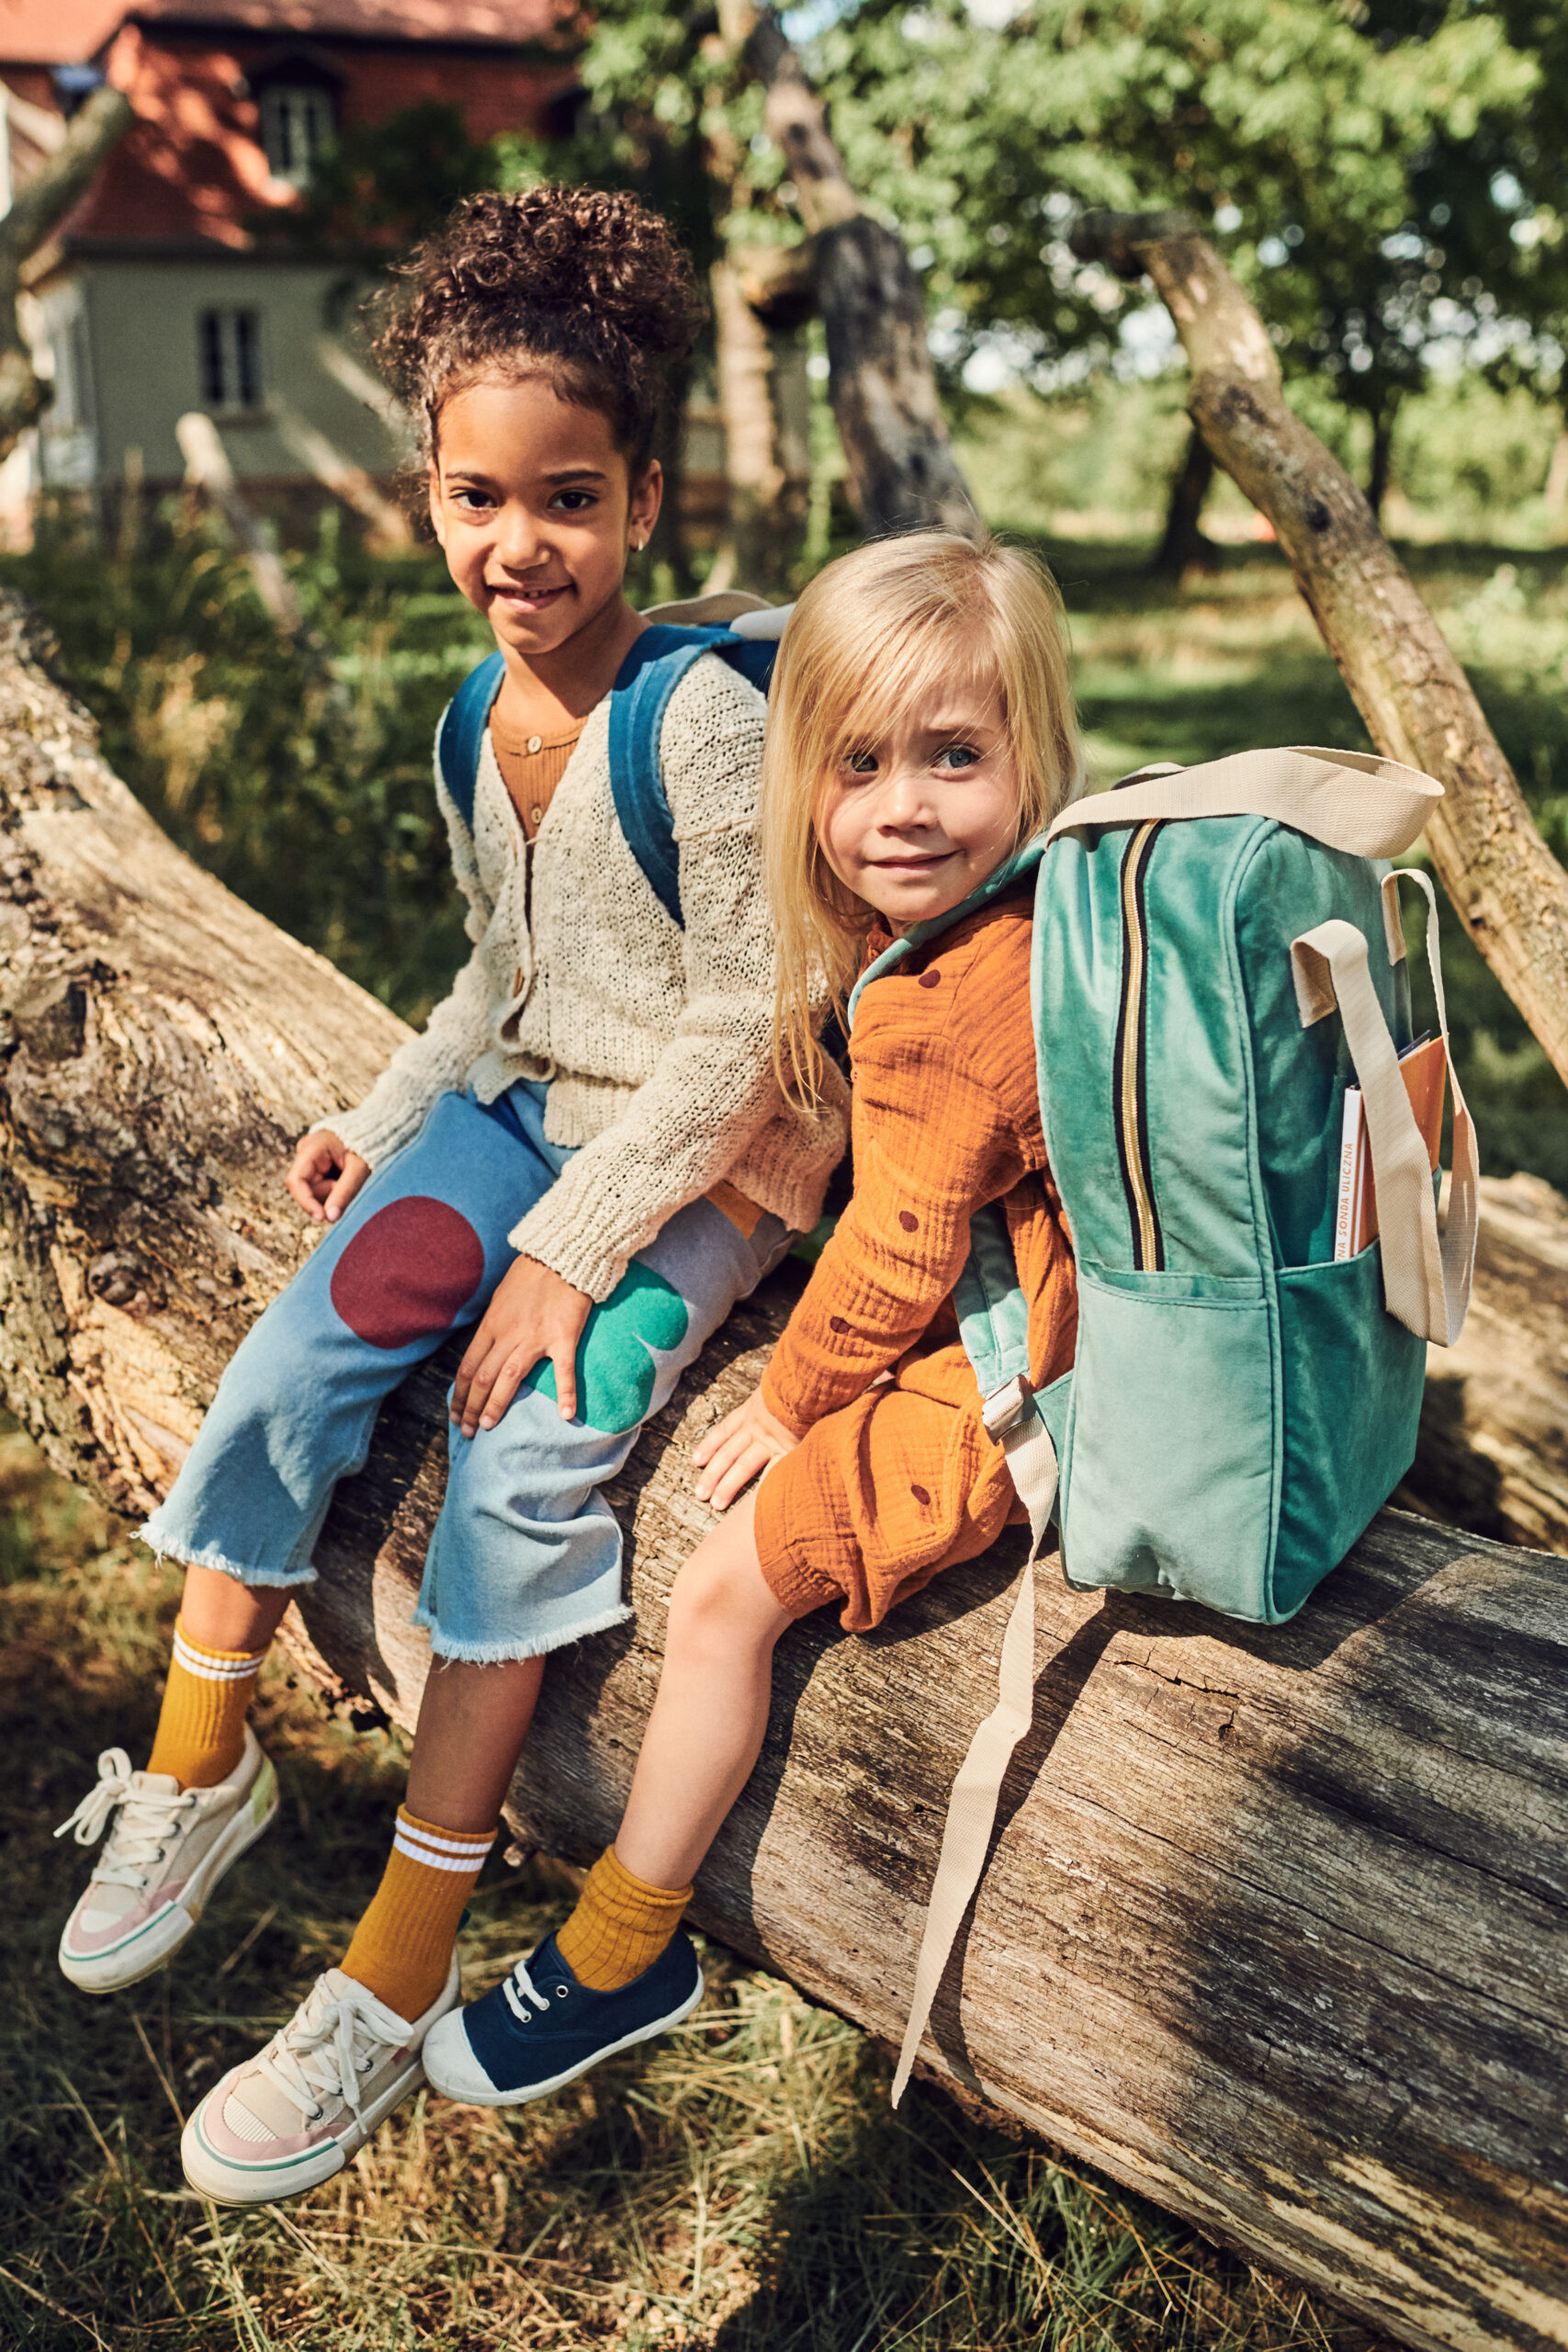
x=461, y=1653
x=207, y=1555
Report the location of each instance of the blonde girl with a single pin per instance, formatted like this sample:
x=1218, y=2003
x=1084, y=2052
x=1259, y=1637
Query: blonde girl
x=920, y=729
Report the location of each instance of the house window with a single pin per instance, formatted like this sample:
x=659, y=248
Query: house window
x=229, y=349
x=296, y=123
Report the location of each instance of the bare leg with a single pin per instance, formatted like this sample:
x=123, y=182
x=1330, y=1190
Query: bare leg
x=221, y=1613
x=706, y=1728
x=473, y=1723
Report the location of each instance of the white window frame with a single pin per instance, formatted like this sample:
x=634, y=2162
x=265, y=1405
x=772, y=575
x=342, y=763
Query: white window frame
x=297, y=121
x=229, y=359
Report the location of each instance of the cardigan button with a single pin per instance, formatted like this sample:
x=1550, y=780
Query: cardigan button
x=920, y=1494
x=837, y=1323
x=536, y=742
x=909, y=1220
x=519, y=980
x=930, y=980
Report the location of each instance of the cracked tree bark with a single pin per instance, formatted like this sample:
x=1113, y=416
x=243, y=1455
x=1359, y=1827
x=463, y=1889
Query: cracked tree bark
x=1508, y=890
x=903, y=474
x=1274, y=1925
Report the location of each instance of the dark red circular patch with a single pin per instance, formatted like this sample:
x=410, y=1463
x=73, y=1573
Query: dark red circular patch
x=407, y=1272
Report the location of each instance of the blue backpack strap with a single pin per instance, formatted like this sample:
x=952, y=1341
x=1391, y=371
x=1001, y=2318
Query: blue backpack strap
x=462, y=732
x=647, y=677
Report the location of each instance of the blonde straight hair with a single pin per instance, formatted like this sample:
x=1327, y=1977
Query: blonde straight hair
x=872, y=633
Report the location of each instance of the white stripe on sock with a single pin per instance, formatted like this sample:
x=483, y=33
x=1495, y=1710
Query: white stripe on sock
x=215, y=1670
x=469, y=1860
x=444, y=1841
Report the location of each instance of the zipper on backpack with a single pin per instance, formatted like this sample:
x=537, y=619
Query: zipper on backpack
x=1130, y=1074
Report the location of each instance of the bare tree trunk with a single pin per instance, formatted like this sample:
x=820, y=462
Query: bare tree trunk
x=768, y=495
x=97, y=127
x=1274, y=1926
x=1182, y=547
x=207, y=470
x=1509, y=891
x=1380, y=472
x=903, y=473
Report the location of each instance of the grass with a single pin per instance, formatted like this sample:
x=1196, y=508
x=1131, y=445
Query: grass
x=742, y=2186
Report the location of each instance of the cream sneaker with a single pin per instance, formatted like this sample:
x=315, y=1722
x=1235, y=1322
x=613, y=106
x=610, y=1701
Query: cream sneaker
x=161, y=1861
x=291, y=2116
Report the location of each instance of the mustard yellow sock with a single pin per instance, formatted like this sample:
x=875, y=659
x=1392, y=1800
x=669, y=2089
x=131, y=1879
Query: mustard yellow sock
x=201, y=1730
x=402, y=1947
x=620, y=1926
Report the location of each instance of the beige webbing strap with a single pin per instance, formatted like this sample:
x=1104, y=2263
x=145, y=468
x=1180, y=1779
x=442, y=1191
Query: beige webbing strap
x=1012, y=1415
x=1347, y=800
x=1426, y=1279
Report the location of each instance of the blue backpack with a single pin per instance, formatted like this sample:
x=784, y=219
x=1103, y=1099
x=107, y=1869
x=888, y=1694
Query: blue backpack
x=1217, y=956
x=639, y=700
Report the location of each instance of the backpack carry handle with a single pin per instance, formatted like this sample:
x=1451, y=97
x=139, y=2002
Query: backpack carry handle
x=1426, y=1279
x=1347, y=800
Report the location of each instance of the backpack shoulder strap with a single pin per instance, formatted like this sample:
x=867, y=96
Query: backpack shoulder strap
x=649, y=676
x=462, y=731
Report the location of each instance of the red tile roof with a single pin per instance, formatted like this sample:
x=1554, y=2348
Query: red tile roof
x=72, y=32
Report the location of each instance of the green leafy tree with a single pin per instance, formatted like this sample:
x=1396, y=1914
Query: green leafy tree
x=1321, y=146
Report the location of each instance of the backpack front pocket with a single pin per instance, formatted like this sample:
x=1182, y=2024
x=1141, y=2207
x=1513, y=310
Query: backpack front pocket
x=1352, y=1379
x=1169, y=1474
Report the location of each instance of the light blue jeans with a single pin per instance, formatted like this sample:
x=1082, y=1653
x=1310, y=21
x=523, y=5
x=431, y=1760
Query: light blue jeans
x=526, y=1554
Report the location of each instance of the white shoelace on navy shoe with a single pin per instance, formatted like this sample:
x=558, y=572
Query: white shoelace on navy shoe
x=520, y=1986
x=148, y=1820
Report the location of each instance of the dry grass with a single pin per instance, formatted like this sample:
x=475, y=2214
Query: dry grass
x=741, y=2185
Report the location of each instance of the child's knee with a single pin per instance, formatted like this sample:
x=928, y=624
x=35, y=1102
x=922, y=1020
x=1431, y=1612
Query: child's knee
x=721, y=1600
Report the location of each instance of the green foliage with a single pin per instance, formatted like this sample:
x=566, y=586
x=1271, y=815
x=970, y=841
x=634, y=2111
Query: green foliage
x=299, y=774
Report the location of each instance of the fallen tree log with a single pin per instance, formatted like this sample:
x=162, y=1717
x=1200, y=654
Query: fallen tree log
x=1274, y=1925
x=1509, y=890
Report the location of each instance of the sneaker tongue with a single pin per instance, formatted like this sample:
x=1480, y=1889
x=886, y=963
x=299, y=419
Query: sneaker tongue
x=154, y=1784
x=391, y=2027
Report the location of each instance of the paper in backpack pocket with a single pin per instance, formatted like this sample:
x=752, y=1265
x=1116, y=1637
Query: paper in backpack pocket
x=1424, y=1068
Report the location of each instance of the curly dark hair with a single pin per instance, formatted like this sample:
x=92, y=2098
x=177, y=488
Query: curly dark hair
x=592, y=284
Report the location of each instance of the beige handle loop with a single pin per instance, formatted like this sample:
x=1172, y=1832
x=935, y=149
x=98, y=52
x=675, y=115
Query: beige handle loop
x=1012, y=1415
x=1464, y=1188
x=1425, y=1280
x=1347, y=800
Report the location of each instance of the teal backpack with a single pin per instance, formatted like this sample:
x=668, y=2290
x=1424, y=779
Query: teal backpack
x=1217, y=954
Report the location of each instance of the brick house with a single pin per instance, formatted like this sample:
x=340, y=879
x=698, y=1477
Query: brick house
x=158, y=297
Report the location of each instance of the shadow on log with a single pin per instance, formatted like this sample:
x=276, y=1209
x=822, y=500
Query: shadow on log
x=1274, y=1925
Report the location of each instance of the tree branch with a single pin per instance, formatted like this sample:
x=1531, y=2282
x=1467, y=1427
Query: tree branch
x=58, y=186
x=881, y=381
x=1509, y=891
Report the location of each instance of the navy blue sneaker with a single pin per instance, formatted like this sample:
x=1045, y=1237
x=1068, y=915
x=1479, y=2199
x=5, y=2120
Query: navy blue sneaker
x=539, y=2029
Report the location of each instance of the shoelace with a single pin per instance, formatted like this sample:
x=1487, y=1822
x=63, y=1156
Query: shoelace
x=320, y=2054
x=148, y=1819
x=519, y=1988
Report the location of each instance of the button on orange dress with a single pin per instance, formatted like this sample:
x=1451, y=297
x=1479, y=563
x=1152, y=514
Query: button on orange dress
x=895, y=1477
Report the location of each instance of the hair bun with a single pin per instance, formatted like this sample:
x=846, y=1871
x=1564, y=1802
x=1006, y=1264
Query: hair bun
x=587, y=279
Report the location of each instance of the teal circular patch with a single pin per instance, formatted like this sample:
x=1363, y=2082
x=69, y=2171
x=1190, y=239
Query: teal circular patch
x=614, y=1371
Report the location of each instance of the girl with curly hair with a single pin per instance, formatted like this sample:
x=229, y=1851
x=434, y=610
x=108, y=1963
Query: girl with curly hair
x=581, y=1163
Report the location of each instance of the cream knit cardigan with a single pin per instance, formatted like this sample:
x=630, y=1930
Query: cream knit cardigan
x=656, y=1042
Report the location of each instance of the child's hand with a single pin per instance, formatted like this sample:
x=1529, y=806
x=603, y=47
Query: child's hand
x=324, y=1175
x=737, y=1448
x=533, y=1314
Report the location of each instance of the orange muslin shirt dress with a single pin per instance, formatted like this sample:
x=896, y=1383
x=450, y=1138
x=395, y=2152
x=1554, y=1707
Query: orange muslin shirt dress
x=896, y=1478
